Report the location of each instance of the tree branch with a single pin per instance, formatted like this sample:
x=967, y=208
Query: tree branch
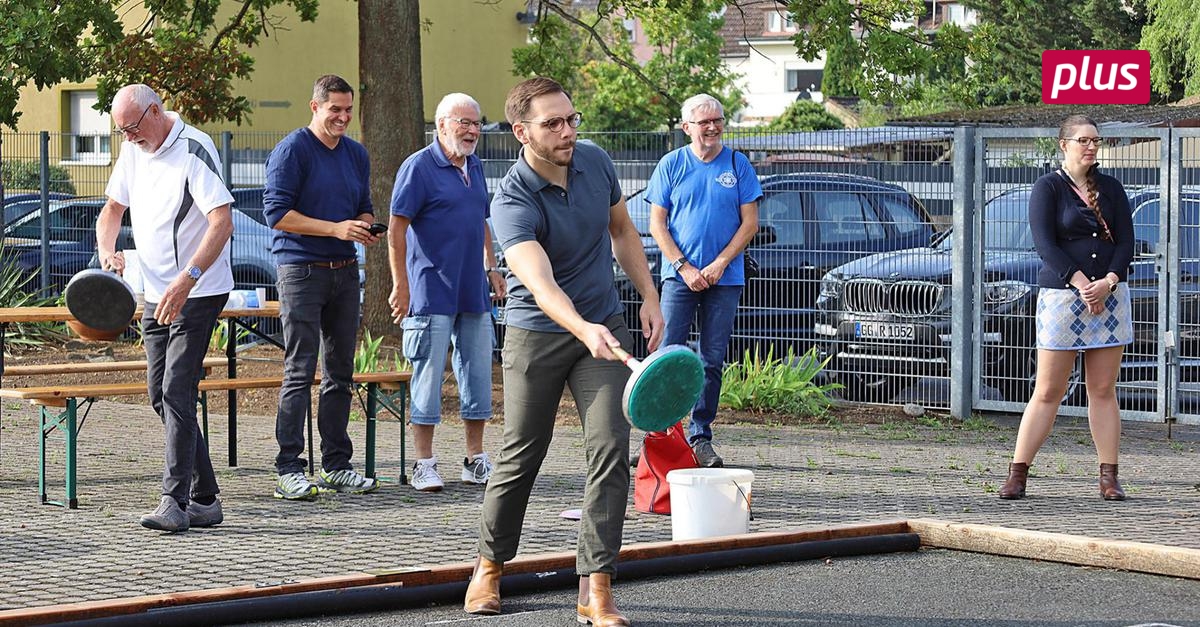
x=233, y=24
x=632, y=67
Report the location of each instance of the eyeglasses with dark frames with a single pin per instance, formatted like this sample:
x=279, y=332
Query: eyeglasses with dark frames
x=555, y=125
x=1086, y=141
x=709, y=122
x=467, y=123
x=133, y=129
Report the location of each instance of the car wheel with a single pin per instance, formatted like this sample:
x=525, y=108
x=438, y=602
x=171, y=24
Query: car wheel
x=868, y=387
x=1017, y=374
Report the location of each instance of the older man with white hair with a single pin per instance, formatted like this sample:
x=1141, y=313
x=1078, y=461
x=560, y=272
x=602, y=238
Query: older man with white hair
x=179, y=211
x=703, y=213
x=442, y=266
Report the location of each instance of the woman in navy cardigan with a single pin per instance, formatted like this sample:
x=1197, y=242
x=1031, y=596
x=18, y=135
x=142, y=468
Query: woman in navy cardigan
x=1083, y=230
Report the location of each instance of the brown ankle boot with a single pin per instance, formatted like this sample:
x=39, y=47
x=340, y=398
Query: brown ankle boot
x=598, y=608
x=1110, y=488
x=1014, y=486
x=483, y=593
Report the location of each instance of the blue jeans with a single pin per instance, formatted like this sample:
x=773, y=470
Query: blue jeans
x=715, y=308
x=174, y=365
x=319, y=309
x=426, y=340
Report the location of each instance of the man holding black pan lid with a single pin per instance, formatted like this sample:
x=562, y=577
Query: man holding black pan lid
x=181, y=221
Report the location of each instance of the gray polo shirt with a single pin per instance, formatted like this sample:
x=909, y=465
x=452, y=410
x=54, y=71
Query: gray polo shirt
x=572, y=227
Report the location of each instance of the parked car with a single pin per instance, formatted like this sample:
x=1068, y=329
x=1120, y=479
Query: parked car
x=885, y=318
x=72, y=243
x=808, y=224
x=18, y=205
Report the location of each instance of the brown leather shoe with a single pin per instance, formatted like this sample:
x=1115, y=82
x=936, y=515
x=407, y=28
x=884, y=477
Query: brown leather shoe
x=1014, y=486
x=1110, y=488
x=483, y=593
x=598, y=608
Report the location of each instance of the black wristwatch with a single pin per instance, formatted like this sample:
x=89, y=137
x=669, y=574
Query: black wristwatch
x=679, y=263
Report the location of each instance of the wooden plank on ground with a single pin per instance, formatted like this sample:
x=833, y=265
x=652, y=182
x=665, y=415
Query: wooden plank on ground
x=1059, y=547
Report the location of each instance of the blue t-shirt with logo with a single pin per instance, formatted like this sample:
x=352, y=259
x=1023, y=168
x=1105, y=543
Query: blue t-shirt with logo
x=445, y=240
x=703, y=203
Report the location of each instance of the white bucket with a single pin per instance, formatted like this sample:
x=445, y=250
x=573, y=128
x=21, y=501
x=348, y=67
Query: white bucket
x=708, y=502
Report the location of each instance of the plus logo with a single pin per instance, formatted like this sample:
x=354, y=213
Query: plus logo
x=1096, y=77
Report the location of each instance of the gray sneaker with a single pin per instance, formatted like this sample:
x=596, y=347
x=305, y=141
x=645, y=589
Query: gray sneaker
x=205, y=515
x=706, y=456
x=346, y=480
x=168, y=517
x=477, y=469
x=294, y=486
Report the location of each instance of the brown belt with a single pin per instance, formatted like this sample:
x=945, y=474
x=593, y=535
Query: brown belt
x=332, y=265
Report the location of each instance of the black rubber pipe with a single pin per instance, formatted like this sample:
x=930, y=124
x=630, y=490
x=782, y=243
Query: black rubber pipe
x=394, y=597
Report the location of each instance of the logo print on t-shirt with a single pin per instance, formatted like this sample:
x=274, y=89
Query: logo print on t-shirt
x=727, y=179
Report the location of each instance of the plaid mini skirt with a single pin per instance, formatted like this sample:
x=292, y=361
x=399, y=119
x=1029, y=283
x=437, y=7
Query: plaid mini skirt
x=1063, y=321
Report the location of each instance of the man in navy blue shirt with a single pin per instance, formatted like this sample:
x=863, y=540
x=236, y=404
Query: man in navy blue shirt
x=442, y=265
x=318, y=200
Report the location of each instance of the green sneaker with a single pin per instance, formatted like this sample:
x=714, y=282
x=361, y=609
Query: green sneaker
x=346, y=480
x=294, y=486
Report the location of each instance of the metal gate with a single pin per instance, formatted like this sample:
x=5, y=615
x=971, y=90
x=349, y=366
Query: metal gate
x=993, y=253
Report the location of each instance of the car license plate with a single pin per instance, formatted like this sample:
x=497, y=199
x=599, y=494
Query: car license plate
x=884, y=331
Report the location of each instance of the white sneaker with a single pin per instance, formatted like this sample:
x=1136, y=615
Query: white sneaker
x=477, y=469
x=426, y=477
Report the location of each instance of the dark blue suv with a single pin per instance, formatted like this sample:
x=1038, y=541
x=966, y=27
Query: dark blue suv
x=808, y=224
x=885, y=319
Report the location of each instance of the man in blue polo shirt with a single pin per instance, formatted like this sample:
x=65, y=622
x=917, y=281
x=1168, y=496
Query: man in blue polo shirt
x=703, y=213
x=318, y=200
x=442, y=261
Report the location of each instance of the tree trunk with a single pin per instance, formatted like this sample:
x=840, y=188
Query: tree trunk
x=391, y=113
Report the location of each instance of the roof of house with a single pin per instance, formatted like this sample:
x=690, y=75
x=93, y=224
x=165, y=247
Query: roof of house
x=744, y=21
x=1050, y=116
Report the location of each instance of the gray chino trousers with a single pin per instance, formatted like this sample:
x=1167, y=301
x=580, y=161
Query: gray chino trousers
x=536, y=367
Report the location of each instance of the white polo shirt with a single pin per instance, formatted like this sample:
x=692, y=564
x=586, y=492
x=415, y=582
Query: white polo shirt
x=169, y=194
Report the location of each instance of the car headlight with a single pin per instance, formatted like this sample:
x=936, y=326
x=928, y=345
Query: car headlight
x=831, y=286
x=1004, y=292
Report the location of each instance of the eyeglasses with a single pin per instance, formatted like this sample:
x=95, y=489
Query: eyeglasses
x=1086, y=141
x=467, y=123
x=133, y=129
x=709, y=122
x=555, y=125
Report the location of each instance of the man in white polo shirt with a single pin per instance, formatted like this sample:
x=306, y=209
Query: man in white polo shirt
x=168, y=177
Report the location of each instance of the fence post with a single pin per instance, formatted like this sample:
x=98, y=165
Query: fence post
x=227, y=158
x=44, y=188
x=962, y=307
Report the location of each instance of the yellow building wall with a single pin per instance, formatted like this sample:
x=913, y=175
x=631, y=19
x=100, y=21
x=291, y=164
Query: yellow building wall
x=465, y=46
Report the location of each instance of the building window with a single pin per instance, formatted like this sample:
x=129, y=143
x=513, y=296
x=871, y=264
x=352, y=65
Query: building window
x=779, y=22
x=801, y=80
x=91, y=130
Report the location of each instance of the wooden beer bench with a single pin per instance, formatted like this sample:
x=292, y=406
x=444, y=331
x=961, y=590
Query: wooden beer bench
x=59, y=411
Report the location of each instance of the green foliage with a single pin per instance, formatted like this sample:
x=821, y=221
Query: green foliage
x=14, y=293
x=220, y=337
x=843, y=67
x=366, y=358
x=1008, y=42
x=26, y=175
x=591, y=55
x=183, y=50
x=1173, y=40
x=771, y=384
x=804, y=115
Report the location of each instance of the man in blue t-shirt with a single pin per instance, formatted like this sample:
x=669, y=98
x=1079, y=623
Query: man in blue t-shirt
x=442, y=262
x=318, y=200
x=703, y=213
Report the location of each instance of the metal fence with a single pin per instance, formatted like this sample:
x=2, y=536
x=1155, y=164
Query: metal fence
x=857, y=257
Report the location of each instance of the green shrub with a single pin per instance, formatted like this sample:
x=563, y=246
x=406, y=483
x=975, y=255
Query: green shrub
x=805, y=115
x=26, y=175
x=771, y=384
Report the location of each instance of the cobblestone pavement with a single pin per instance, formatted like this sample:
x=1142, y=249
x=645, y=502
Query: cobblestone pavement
x=815, y=476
